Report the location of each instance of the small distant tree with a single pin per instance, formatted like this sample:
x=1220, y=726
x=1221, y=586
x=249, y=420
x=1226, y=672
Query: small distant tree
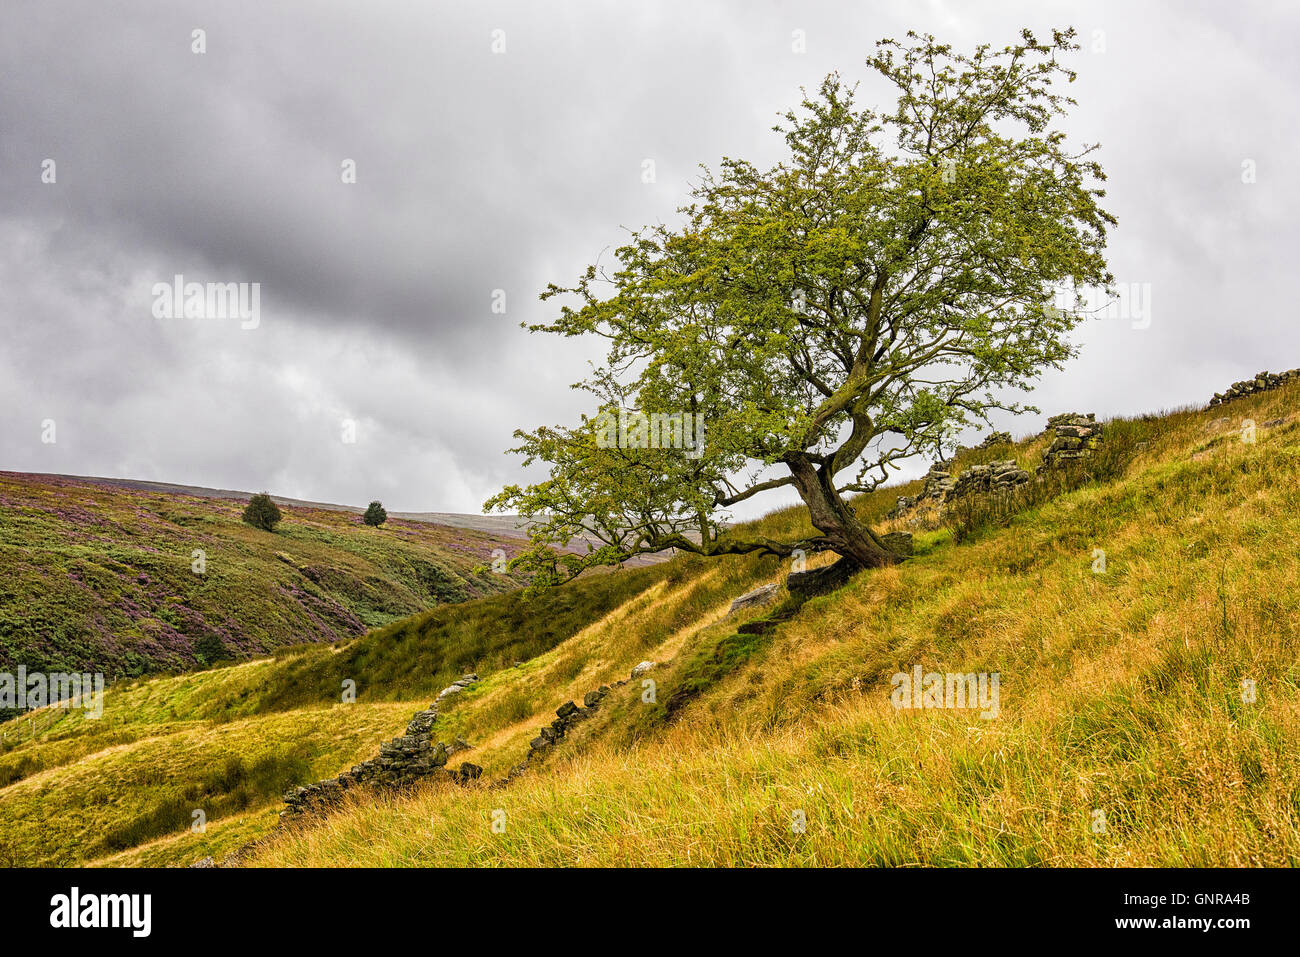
x=375, y=515
x=262, y=512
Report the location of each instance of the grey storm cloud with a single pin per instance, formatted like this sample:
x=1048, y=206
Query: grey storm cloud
x=479, y=171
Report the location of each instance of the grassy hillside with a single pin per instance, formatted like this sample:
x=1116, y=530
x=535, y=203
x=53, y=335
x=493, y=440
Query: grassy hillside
x=230, y=741
x=1121, y=699
x=101, y=578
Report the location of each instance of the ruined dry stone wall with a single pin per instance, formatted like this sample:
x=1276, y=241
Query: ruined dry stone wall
x=1001, y=476
x=994, y=438
x=566, y=716
x=1074, y=436
x=415, y=756
x=1262, y=382
x=1077, y=436
x=401, y=762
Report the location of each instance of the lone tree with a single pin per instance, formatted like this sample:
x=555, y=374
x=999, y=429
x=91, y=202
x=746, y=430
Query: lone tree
x=863, y=301
x=375, y=515
x=262, y=512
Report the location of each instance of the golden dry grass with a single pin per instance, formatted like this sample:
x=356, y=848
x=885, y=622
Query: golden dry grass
x=1121, y=693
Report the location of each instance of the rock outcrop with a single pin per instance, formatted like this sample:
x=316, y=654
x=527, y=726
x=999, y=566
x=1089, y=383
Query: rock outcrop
x=762, y=595
x=900, y=543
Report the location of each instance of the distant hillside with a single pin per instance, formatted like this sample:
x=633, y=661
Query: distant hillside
x=99, y=575
x=498, y=526
x=506, y=526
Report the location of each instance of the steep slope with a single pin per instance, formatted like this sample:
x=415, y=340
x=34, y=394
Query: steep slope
x=229, y=741
x=103, y=578
x=1146, y=711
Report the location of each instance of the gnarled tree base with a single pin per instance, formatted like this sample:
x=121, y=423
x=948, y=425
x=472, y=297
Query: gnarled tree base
x=828, y=578
x=821, y=581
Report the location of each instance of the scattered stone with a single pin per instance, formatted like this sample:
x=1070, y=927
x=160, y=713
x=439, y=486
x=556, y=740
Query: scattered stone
x=643, y=668
x=204, y=862
x=900, y=543
x=760, y=596
x=457, y=686
x=468, y=772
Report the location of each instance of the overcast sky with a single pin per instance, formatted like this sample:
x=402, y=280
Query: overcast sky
x=479, y=171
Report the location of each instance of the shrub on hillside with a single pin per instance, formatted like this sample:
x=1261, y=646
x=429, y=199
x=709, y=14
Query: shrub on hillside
x=262, y=512
x=375, y=515
x=210, y=649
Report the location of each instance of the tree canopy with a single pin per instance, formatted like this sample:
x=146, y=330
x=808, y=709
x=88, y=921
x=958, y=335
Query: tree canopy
x=884, y=286
x=375, y=514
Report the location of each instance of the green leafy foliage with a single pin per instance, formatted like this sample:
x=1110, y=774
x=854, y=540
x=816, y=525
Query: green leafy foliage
x=884, y=286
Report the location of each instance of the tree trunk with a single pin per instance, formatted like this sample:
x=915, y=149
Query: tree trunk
x=857, y=546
